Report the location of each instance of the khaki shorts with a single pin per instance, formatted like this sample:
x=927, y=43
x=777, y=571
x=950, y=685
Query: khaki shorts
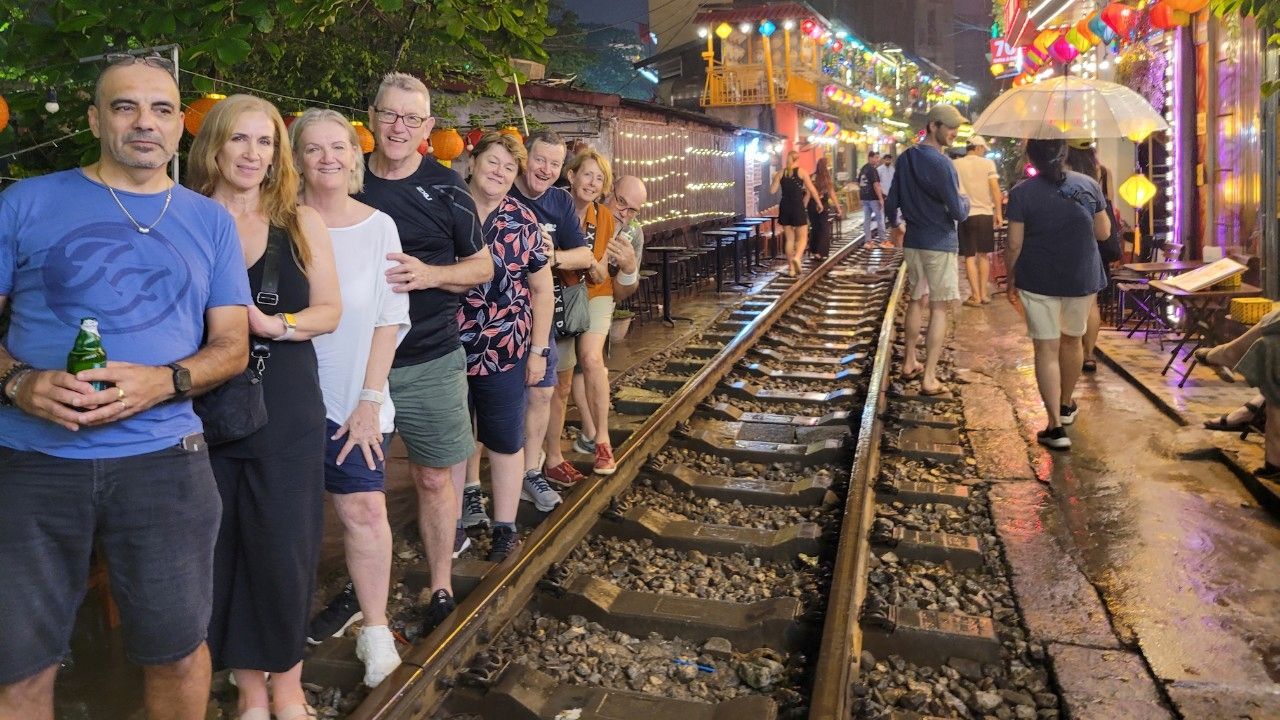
x=432, y=416
x=933, y=273
x=601, y=311
x=1050, y=317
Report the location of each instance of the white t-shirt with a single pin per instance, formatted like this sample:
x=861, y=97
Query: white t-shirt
x=886, y=178
x=975, y=172
x=360, y=254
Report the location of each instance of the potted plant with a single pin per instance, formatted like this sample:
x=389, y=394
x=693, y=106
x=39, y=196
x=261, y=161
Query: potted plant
x=621, y=324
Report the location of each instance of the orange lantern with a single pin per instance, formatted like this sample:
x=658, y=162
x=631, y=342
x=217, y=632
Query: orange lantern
x=366, y=137
x=1165, y=17
x=4, y=114
x=513, y=132
x=446, y=144
x=1119, y=17
x=1188, y=6
x=196, y=111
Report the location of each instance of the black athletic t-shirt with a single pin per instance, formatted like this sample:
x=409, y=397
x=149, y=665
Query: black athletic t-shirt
x=437, y=221
x=868, y=178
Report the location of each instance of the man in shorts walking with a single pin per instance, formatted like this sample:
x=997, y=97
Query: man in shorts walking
x=927, y=191
x=979, y=180
x=444, y=256
x=125, y=467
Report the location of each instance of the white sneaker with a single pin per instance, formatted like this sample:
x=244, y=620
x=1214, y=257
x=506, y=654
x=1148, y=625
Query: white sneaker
x=376, y=648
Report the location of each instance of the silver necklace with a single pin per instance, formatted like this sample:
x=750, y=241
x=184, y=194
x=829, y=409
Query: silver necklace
x=168, y=197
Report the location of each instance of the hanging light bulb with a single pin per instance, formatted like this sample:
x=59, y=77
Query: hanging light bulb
x=51, y=105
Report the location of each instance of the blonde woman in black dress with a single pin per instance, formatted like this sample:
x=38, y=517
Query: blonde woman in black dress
x=792, y=215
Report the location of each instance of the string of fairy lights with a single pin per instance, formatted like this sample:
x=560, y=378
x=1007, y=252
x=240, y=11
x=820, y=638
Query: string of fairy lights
x=684, y=170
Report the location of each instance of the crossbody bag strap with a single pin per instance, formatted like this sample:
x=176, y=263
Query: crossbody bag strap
x=269, y=290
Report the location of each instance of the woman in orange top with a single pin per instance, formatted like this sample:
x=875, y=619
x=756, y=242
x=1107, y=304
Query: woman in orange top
x=590, y=178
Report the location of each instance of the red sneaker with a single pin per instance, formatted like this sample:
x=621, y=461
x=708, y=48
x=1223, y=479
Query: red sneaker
x=564, y=475
x=604, y=464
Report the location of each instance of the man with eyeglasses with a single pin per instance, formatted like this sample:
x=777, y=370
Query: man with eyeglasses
x=126, y=468
x=444, y=256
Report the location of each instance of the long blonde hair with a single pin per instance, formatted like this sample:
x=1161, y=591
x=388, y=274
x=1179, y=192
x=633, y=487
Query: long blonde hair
x=279, y=190
x=575, y=165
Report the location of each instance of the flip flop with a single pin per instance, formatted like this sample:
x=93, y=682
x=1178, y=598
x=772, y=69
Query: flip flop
x=908, y=377
x=942, y=390
x=1202, y=356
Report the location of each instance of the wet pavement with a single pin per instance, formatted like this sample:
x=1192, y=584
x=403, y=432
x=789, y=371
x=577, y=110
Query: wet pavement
x=1184, y=561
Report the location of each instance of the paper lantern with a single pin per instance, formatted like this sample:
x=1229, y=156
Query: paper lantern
x=1087, y=32
x=1165, y=17
x=473, y=138
x=724, y=30
x=1119, y=17
x=446, y=143
x=1063, y=51
x=1188, y=6
x=1101, y=28
x=198, y=108
x=513, y=132
x=1137, y=191
x=767, y=28
x=1078, y=41
x=1045, y=40
x=4, y=113
x=291, y=118
x=365, y=137
x=808, y=27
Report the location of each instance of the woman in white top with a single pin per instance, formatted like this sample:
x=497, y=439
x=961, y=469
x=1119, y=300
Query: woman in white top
x=354, y=361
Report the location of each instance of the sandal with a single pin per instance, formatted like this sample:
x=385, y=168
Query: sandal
x=1089, y=366
x=908, y=377
x=1255, y=422
x=1201, y=356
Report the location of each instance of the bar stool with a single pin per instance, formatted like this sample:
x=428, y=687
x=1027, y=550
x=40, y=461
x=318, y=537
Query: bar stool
x=744, y=234
x=666, y=251
x=717, y=238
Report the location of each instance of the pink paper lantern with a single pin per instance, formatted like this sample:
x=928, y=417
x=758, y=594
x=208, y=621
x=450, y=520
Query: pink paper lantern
x=1063, y=51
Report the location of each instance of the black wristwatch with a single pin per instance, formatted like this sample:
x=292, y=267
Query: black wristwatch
x=181, y=380
x=540, y=350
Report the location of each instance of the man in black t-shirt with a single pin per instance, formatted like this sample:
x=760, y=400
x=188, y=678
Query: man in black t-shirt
x=872, y=197
x=444, y=256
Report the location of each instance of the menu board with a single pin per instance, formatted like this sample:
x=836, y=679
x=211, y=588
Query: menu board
x=1206, y=275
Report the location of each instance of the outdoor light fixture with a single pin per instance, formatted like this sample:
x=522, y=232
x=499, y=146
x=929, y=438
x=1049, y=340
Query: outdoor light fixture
x=744, y=28
x=788, y=24
x=649, y=75
x=703, y=32
x=51, y=105
x=723, y=30
x=767, y=28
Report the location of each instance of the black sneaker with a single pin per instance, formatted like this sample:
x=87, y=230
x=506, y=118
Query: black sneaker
x=437, y=609
x=1055, y=438
x=505, y=542
x=336, y=617
x=460, y=542
x=1067, y=413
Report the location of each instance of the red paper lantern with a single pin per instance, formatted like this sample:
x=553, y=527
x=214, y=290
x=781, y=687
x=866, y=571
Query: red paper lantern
x=291, y=118
x=196, y=111
x=808, y=26
x=366, y=137
x=1165, y=17
x=4, y=113
x=446, y=144
x=1119, y=17
x=473, y=138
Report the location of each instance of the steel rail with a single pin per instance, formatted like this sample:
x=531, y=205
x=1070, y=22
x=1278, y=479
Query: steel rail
x=418, y=686
x=841, y=647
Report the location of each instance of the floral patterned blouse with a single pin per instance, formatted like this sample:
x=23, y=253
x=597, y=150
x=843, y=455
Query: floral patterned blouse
x=496, y=318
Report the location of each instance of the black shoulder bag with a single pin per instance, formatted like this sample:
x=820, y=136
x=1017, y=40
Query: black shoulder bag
x=571, y=315
x=237, y=408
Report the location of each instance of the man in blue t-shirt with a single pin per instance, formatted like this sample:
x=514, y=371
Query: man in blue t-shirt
x=927, y=190
x=568, y=251
x=125, y=467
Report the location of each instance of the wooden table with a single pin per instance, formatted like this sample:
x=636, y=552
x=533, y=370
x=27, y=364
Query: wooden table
x=1198, y=322
x=1146, y=313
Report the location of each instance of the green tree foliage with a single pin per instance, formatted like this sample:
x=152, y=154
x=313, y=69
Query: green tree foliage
x=324, y=50
x=599, y=56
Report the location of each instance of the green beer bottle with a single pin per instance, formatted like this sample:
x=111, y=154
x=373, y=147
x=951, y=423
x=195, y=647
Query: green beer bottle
x=87, y=352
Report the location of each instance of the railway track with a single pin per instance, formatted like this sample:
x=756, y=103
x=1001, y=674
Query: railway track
x=758, y=553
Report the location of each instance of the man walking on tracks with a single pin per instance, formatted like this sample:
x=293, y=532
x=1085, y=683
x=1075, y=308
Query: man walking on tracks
x=980, y=181
x=114, y=455
x=927, y=190
x=444, y=255
x=872, y=197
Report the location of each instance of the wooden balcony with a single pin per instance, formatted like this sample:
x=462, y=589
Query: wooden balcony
x=748, y=84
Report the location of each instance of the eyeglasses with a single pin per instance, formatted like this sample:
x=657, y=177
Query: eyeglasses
x=154, y=60
x=389, y=117
x=622, y=207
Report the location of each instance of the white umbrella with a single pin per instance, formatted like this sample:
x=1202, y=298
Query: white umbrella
x=1066, y=108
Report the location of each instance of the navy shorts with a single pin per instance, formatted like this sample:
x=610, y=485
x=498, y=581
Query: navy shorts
x=549, y=379
x=154, y=515
x=498, y=403
x=353, y=475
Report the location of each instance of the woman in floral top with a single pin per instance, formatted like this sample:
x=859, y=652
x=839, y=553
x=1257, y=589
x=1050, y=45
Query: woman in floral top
x=496, y=321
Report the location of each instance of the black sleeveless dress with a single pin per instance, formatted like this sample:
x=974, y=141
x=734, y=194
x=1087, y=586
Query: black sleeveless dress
x=791, y=209
x=272, y=487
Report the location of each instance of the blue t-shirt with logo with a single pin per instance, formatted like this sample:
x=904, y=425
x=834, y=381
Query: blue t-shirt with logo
x=67, y=252
x=1059, y=254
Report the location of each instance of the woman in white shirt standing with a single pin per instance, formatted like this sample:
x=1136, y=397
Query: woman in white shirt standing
x=354, y=362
